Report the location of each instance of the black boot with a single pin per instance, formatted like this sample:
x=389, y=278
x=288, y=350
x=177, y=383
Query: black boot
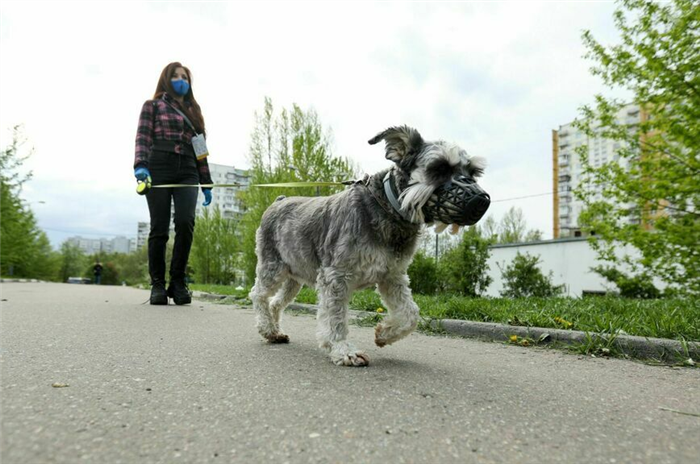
x=179, y=292
x=158, y=294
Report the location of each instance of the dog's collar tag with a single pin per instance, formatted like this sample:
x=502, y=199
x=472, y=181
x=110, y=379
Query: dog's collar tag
x=392, y=197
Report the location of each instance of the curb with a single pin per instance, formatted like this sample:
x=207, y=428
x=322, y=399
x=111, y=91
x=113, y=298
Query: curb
x=20, y=280
x=633, y=346
x=630, y=345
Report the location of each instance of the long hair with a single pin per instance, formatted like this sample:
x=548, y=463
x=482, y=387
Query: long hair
x=193, y=111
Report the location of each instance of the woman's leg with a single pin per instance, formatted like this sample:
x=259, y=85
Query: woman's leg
x=159, y=200
x=185, y=200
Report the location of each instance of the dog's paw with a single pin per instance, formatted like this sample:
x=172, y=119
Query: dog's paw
x=357, y=359
x=345, y=354
x=278, y=338
x=380, y=336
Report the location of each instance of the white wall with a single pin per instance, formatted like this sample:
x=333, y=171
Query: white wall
x=570, y=261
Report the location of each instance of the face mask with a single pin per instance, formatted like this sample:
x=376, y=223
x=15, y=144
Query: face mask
x=180, y=86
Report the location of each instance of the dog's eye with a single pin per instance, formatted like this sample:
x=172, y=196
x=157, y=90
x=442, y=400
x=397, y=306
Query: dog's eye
x=438, y=172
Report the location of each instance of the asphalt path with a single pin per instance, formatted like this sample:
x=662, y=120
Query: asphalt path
x=90, y=374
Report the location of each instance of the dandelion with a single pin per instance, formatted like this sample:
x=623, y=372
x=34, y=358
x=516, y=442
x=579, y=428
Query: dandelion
x=513, y=338
x=380, y=310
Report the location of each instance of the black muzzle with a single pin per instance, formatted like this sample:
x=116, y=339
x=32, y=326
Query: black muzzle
x=459, y=201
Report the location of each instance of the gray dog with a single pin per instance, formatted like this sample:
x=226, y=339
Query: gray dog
x=361, y=237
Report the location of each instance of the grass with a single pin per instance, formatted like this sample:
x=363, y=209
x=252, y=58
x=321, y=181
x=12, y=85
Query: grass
x=677, y=319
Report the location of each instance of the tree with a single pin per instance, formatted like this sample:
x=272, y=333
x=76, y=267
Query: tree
x=522, y=278
x=490, y=228
x=73, y=262
x=511, y=229
x=25, y=251
x=215, y=249
x=463, y=270
x=132, y=267
x=289, y=148
x=649, y=199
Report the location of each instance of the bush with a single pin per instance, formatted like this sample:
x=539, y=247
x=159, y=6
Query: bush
x=639, y=286
x=522, y=278
x=423, y=274
x=463, y=270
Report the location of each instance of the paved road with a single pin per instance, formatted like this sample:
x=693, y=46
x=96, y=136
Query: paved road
x=196, y=384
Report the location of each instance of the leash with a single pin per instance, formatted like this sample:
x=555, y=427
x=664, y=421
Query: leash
x=143, y=186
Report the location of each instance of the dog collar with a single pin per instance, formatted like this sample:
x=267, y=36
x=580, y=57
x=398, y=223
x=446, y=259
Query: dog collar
x=392, y=197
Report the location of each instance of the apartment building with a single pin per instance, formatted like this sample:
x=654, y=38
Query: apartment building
x=567, y=168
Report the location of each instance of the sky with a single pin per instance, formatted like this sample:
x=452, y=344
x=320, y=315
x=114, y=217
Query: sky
x=493, y=77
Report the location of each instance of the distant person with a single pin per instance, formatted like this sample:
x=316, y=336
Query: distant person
x=169, y=150
x=97, y=271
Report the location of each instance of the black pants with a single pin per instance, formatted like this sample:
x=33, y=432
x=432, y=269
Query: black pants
x=171, y=168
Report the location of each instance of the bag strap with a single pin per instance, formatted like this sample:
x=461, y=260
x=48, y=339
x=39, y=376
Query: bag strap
x=187, y=120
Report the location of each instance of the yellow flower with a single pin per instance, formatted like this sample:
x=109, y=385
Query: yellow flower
x=380, y=310
x=513, y=338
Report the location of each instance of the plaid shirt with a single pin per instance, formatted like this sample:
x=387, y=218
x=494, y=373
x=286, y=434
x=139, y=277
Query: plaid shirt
x=159, y=121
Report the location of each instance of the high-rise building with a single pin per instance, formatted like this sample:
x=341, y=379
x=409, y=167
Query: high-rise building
x=567, y=168
x=226, y=198
x=142, y=234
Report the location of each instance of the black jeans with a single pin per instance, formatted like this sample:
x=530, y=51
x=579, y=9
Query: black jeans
x=171, y=168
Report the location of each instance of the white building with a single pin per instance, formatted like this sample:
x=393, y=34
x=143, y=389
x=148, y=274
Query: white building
x=226, y=198
x=570, y=260
x=91, y=246
x=567, y=168
x=142, y=234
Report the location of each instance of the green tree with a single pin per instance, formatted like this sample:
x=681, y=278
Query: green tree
x=291, y=147
x=490, y=228
x=513, y=228
x=650, y=198
x=522, y=278
x=463, y=269
x=73, y=262
x=132, y=267
x=215, y=249
x=25, y=251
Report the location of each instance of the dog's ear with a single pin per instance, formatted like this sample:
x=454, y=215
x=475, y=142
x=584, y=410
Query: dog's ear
x=401, y=142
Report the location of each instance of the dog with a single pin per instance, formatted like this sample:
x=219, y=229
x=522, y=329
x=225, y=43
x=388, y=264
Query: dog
x=363, y=236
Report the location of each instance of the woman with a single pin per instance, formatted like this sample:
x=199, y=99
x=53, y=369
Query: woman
x=164, y=152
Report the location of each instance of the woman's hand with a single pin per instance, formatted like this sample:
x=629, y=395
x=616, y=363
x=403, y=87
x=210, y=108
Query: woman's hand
x=142, y=173
x=207, y=196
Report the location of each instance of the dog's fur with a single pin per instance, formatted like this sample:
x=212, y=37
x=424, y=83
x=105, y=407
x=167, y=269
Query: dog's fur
x=353, y=240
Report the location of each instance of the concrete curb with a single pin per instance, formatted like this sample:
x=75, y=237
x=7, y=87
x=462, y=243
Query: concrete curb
x=633, y=346
x=20, y=280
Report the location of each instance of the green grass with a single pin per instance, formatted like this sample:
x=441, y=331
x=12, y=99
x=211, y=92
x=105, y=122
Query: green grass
x=677, y=319
x=220, y=290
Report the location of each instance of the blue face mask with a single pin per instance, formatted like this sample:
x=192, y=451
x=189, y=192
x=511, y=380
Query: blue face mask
x=180, y=86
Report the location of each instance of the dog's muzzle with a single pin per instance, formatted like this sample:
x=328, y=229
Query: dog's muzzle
x=459, y=201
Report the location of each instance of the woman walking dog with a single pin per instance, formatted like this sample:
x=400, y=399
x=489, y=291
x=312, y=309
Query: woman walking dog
x=169, y=143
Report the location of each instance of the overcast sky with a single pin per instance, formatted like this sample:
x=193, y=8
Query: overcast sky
x=493, y=77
